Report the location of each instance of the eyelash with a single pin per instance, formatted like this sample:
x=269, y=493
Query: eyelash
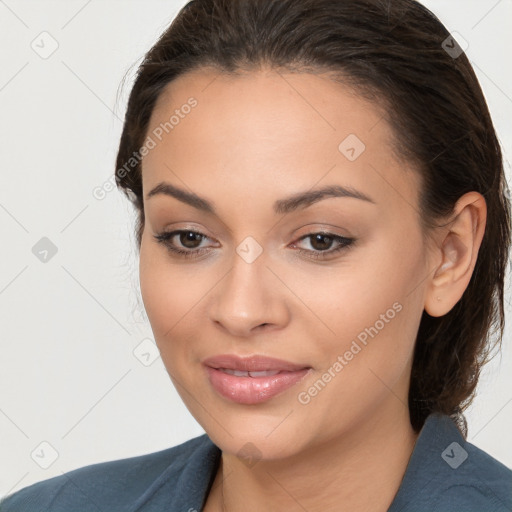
x=165, y=239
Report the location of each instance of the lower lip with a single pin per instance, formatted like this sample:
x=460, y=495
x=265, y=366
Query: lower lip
x=253, y=390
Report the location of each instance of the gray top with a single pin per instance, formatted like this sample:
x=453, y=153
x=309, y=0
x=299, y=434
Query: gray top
x=445, y=474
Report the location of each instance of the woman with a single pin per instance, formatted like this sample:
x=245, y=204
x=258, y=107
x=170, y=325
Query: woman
x=324, y=228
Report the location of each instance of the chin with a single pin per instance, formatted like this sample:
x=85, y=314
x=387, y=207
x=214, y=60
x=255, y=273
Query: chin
x=256, y=446
x=255, y=436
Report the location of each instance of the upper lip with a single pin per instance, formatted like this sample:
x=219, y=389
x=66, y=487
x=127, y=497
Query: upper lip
x=252, y=363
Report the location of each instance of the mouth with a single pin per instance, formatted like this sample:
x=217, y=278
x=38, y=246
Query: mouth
x=252, y=364
x=241, y=373
x=254, y=379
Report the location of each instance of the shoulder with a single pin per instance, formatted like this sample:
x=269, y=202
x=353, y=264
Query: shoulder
x=446, y=473
x=113, y=485
x=480, y=482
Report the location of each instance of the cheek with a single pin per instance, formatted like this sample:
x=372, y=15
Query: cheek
x=369, y=309
x=167, y=301
x=167, y=290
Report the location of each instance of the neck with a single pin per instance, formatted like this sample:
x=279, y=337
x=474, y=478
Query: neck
x=362, y=470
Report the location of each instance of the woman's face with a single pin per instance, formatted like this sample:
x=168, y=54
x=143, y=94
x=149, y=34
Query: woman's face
x=266, y=283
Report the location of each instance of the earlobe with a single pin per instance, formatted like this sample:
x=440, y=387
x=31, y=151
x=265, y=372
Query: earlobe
x=456, y=255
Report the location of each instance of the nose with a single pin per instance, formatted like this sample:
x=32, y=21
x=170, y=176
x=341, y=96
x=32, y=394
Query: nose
x=249, y=298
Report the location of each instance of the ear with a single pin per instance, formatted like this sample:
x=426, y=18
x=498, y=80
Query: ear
x=455, y=254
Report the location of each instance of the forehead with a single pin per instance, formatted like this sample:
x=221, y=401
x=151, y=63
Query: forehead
x=267, y=131
x=289, y=107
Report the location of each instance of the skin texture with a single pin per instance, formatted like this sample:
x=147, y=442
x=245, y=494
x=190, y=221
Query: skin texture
x=251, y=140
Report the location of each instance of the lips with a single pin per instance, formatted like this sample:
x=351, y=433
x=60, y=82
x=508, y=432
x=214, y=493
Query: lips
x=254, y=379
x=252, y=363
x=241, y=373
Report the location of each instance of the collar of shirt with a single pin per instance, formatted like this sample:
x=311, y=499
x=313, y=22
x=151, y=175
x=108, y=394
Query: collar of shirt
x=445, y=474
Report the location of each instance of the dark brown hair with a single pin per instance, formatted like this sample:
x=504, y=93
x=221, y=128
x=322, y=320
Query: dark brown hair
x=395, y=52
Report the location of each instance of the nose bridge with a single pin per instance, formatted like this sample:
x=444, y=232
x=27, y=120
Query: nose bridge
x=248, y=297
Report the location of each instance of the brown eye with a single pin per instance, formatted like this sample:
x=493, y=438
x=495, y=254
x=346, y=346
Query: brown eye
x=190, y=238
x=187, y=244
x=321, y=242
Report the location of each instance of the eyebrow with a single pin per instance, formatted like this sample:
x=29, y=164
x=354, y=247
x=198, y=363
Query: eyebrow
x=298, y=201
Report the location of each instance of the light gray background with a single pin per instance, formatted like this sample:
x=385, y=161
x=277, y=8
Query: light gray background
x=69, y=327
